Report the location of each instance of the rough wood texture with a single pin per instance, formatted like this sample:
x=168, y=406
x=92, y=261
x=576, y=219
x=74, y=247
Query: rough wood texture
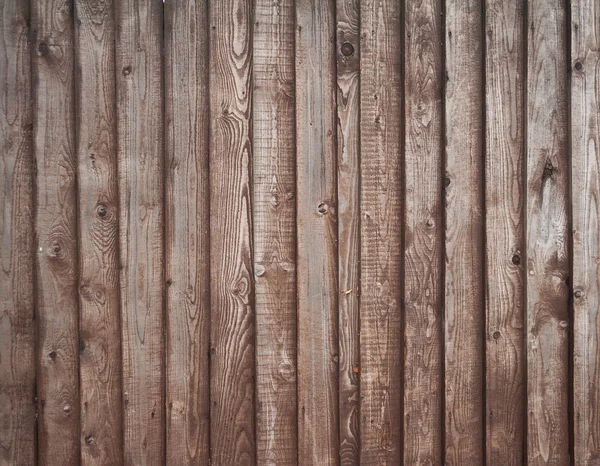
x=140, y=167
x=424, y=234
x=348, y=195
x=17, y=315
x=56, y=232
x=101, y=436
x=381, y=339
x=187, y=232
x=464, y=294
x=318, y=427
x=275, y=232
x=504, y=337
x=547, y=235
x=232, y=284
x=585, y=124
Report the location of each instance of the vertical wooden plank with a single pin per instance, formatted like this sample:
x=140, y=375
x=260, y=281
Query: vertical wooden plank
x=585, y=127
x=140, y=168
x=275, y=232
x=381, y=339
x=99, y=323
x=318, y=437
x=464, y=298
x=232, y=284
x=423, y=290
x=187, y=232
x=348, y=195
x=547, y=235
x=504, y=207
x=56, y=232
x=17, y=312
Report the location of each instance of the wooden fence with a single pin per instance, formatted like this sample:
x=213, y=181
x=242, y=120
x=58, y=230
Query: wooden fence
x=309, y=232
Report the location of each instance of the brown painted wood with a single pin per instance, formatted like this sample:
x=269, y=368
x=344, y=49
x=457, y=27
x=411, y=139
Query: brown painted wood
x=505, y=236
x=17, y=307
x=464, y=222
x=423, y=227
x=547, y=240
x=187, y=232
x=275, y=232
x=318, y=358
x=585, y=137
x=141, y=216
x=381, y=335
x=348, y=194
x=56, y=232
x=232, y=282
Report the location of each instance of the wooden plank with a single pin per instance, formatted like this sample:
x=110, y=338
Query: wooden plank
x=318, y=428
x=99, y=321
x=505, y=201
x=140, y=168
x=17, y=311
x=56, y=232
x=232, y=284
x=381, y=336
x=585, y=137
x=275, y=232
x=464, y=293
x=187, y=229
x=547, y=235
x=424, y=234
x=348, y=195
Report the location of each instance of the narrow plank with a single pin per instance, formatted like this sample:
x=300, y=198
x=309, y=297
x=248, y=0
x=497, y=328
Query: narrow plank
x=464, y=293
x=547, y=235
x=187, y=232
x=275, y=232
x=318, y=428
x=17, y=307
x=232, y=284
x=140, y=168
x=99, y=322
x=424, y=234
x=56, y=232
x=585, y=137
x=505, y=236
x=381, y=336
x=348, y=194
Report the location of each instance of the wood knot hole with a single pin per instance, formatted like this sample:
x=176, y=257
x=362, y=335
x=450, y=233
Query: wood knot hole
x=102, y=211
x=127, y=71
x=347, y=49
x=323, y=208
x=516, y=259
x=89, y=439
x=578, y=66
x=43, y=48
x=496, y=335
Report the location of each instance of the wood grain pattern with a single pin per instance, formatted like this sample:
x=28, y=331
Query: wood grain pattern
x=505, y=236
x=381, y=336
x=232, y=284
x=275, y=232
x=187, y=232
x=101, y=435
x=56, y=232
x=464, y=298
x=318, y=428
x=423, y=226
x=348, y=195
x=547, y=235
x=585, y=182
x=17, y=311
x=141, y=216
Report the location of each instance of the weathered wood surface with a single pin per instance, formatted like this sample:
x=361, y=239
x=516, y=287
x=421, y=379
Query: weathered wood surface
x=585, y=182
x=424, y=234
x=505, y=236
x=547, y=235
x=57, y=272
x=464, y=240
x=17, y=307
x=140, y=168
x=274, y=167
x=381, y=339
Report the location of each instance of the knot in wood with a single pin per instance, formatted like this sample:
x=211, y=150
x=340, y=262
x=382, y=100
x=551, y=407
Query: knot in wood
x=347, y=49
x=323, y=208
x=578, y=66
